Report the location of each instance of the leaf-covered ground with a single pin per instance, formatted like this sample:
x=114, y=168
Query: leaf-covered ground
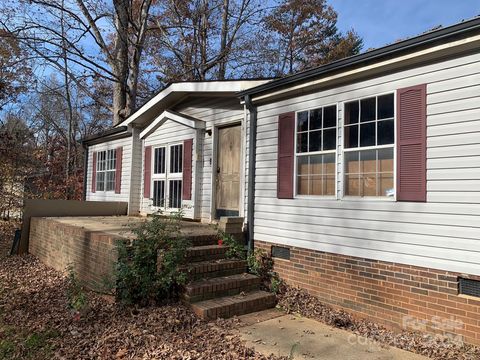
x=294, y=300
x=35, y=323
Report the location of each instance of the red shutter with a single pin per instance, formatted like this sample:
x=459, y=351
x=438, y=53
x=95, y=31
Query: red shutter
x=118, y=170
x=94, y=171
x=286, y=155
x=412, y=144
x=147, y=172
x=187, y=169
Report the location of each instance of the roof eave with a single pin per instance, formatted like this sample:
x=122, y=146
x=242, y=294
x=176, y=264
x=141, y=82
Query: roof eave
x=402, y=47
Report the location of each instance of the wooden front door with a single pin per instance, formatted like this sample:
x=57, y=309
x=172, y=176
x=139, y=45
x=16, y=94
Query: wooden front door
x=228, y=171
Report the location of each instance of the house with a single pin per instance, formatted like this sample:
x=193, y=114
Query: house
x=163, y=156
x=363, y=180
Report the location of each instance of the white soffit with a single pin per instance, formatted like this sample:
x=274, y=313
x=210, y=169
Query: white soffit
x=193, y=88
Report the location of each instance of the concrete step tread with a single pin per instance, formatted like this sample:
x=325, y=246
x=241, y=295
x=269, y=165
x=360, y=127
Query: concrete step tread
x=234, y=299
x=244, y=277
x=207, y=247
x=219, y=263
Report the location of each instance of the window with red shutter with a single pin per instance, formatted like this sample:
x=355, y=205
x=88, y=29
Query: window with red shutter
x=411, y=146
x=118, y=170
x=286, y=155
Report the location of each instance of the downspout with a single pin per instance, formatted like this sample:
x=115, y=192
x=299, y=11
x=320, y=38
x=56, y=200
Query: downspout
x=252, y=155
x=85, y=170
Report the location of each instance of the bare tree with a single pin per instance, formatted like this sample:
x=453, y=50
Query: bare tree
x=203, y=39
x=97, y=40
x=304, y=35
x=15, y=72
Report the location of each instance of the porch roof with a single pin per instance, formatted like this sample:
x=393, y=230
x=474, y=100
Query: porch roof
x=174, y=116
x=175, y=92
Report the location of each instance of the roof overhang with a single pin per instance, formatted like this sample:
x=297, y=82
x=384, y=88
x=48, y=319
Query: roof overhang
x=174, y=116
x=175, y=92
x=432, y=46
x=115, y=133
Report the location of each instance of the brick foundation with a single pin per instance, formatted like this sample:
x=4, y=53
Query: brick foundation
x=58, y=245
x=395, y=295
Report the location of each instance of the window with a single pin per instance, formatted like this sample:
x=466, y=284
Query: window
x=167, y=181
x=176, y=157
x=315, y=153
x=159, y=193
x=369, y=133
x=106, y=164
x=159, y=160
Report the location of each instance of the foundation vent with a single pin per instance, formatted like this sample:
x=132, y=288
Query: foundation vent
x=469, y=287
x=281, y=252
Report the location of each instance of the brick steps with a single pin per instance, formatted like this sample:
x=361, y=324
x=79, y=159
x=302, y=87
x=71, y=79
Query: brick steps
x=206, y=252
x=201, y=240
x=220, y=286
x=216, y=268
x=228, y=306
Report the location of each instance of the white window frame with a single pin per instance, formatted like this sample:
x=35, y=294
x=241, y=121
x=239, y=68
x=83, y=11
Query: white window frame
x=106, y=169
x=159, y=176
x=365, y=148
x=322, y=152
x=167, y=176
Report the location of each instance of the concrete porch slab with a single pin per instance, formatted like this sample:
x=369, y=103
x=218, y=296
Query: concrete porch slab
x=296, y=337
x=119, y=226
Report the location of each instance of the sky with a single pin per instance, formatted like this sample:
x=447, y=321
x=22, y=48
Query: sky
x=381, y=22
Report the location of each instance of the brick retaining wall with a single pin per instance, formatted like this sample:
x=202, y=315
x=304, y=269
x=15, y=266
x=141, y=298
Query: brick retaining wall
x=57, y=245
x=395, y=295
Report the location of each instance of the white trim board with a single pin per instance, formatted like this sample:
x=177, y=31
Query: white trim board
x=174, y=116
x=206, y=87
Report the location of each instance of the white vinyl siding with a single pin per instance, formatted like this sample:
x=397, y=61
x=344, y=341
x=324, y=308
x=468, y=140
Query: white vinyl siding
x=124, y=195
x=215, y=112
x=442, y=233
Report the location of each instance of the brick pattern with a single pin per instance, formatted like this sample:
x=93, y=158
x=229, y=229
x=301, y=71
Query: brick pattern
x=206, y=252
x=92, y=254
x=220, y=286
x=210, y=269
x=234, y=305
x=395, y=295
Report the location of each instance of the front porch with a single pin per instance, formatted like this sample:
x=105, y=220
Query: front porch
x=88, y=242
x=219, y=285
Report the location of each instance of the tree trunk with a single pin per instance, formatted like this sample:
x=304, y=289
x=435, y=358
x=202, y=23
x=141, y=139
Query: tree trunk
x=223, y=41
x=120, y=88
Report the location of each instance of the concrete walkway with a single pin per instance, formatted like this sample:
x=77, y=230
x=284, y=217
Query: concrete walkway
x=272, y=332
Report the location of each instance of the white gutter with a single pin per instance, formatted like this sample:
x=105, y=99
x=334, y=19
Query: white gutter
x=372, y=67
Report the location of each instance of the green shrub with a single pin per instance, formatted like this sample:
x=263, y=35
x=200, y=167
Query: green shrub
x=147, y=271
x=77, y=298
x=235, y=249
x=261, y=264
